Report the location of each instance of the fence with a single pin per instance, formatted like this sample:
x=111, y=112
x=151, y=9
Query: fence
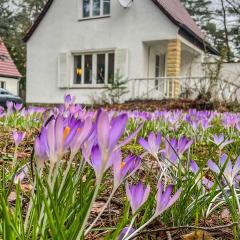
x=190, y=87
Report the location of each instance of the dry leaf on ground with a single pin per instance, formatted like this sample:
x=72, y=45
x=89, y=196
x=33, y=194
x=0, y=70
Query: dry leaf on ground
x=198, y=235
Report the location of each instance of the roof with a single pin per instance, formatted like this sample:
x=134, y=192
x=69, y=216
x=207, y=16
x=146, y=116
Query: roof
x=178, y=12
x=188, y=28
x=173, y=9
x=7, y=66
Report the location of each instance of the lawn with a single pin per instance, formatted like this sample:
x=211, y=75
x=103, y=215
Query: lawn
x=72, y=173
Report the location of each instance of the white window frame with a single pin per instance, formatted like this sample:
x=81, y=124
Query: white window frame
x=81, y=17
x=94, y=83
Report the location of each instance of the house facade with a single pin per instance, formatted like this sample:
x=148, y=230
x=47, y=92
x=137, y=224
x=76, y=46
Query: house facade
x=81, y=46
x=9, y=74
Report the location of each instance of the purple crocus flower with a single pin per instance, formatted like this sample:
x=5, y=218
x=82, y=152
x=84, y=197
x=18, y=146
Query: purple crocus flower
x=96, y=162
x=18, y=137
x=183, y=145
x=207, y=183
x=88, y=145
x=125, y=168
x=69, y=99
x=81, y=135
x=205, y=123
x=137, y=195
x=164, y=199
x=194, y=124
x=9, y=107
x=230, y=172
x=109, y=132
x=174, y=148
x=18, y=106
x=2, y=112
x=20, y=175
x=195, y=168
x=220, y=141
x=40, y=148
x=124, y=231
x=59, y=135
x=230, y=120
x=152, y=145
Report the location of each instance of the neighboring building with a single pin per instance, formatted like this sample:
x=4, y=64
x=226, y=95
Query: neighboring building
x=9, y=74
x=79, y=46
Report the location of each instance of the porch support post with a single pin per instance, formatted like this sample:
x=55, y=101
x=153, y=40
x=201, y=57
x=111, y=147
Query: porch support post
x=174, y=66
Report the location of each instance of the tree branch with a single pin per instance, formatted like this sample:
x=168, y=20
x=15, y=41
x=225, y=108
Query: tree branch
x=188, y=227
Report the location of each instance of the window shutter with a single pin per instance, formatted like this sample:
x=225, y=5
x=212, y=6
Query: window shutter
x=64, y=70
x=121, y=63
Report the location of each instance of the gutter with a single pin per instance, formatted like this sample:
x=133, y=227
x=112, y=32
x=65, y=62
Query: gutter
x=18, y=78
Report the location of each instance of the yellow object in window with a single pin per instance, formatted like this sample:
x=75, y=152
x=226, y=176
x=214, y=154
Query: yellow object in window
x=79, y=71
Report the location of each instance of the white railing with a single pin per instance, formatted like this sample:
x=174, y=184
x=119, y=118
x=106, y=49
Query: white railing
x=153, y=88
x=189, y=87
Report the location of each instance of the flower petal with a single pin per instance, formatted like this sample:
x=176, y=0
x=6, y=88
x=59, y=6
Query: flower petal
x=213, y=166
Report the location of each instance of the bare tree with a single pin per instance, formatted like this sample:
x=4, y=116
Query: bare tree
x=224, y=11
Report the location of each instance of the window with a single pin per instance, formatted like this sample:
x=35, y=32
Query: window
x=2, y=84
x=106, y=7
x=78, y=70
x=110, y=67
x=101, y=68
x=86, y=8
x=88, y=69
x=96, y=68
x=95, y=8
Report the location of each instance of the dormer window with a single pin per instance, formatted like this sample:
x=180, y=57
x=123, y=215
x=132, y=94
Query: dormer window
x=95, y=8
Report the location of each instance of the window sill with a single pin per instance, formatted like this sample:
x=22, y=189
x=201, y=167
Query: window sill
x=91, y=18
x=89, y=86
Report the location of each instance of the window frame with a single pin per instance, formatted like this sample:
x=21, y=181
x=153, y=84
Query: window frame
x=4, y=84
x=94, y=83
x=81, y=17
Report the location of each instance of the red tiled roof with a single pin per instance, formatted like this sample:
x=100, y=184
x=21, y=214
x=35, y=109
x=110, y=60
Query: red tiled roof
x=173, y=9
x=7, y=66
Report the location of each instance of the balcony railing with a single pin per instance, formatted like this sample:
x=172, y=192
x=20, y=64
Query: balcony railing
x=187, y=87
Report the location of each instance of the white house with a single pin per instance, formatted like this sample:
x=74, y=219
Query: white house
x=80, y=46
x=9, y=74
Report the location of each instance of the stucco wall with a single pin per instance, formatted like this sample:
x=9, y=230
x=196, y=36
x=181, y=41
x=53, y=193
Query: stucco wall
x=231, y=72
x=60, y=31
x=11, y=84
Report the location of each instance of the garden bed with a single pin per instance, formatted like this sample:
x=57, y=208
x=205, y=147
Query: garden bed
x=171, y=104
x=168, y=147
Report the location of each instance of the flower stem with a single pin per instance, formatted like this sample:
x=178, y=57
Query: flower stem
x=65, y=174
x=89, y=208
x=129, y=227
x=142, y=227
x=100, y=214
x=15, y=157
